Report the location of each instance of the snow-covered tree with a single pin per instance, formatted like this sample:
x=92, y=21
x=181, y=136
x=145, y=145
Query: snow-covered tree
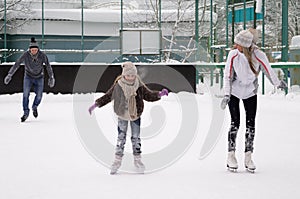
x=273, y=22
x=18, y=13
x=178, y=26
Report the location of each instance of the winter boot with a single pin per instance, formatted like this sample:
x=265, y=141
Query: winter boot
x=231, y=161
x=35, y=113
x=24, y=117
x=249, y=164
x=139, y=164
x=116, y=164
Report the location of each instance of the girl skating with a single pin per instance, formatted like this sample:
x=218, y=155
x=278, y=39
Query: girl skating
x=128, y=93
x=241, y=83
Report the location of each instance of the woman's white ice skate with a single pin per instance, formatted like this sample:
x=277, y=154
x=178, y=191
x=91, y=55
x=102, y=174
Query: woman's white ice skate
x=249, y=164
x=232, y=164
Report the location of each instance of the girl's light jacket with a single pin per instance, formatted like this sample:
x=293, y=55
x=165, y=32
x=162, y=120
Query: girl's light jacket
x=239, y=80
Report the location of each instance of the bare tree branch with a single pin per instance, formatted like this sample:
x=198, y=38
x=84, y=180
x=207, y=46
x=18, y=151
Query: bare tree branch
x=18, y=13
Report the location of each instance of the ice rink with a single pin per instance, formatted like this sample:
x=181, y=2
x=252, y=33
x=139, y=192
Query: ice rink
x=44, y=158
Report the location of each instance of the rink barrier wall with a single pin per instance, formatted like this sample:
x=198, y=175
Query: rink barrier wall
x=65, y=75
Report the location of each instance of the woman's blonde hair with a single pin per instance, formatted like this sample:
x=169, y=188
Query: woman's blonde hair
x=248, y=53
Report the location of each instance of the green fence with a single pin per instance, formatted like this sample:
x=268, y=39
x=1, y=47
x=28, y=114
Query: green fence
x=217, y=70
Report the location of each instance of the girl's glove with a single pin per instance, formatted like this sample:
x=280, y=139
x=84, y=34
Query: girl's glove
x=225, y=101
x=163, y=92
x=91, y=109
x=282, y=85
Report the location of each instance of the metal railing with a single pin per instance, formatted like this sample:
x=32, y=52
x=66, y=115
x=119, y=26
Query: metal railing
x=217, y=69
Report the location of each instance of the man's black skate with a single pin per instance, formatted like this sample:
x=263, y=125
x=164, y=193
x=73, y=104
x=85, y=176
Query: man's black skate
x=24, y=118
x=35, y=113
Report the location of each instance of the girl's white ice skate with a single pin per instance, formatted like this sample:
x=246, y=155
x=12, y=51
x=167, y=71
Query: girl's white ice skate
x=232, y=164
x=249, y=164
x=116, y=165
x=140, y=167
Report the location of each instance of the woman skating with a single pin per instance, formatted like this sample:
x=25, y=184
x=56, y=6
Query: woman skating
x=241, y=83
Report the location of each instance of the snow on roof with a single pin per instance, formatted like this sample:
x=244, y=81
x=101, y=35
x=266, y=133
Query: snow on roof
x=109, y=15
x=295, y=43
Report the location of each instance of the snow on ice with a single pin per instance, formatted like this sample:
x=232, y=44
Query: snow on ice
x=44, y=158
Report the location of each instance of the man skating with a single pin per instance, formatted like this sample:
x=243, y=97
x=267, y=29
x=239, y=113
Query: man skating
x=34, y=61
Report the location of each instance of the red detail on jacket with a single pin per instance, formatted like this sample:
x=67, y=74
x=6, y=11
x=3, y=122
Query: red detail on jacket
x=231, y=64
x=263, y=64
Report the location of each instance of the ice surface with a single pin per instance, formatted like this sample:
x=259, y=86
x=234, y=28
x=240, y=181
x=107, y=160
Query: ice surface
x=43, y=158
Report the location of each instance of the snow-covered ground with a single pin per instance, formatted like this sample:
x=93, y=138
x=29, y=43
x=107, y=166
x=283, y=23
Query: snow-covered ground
x=45, y=158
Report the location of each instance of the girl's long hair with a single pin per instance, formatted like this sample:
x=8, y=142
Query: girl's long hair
x=248, y=53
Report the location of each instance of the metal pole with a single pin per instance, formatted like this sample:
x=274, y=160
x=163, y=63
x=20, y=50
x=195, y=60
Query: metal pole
x=263, y=24
x=296, y=26
x=226, y=25
x=285, y=37
x=254, y=14
x=159, y=12
x=263, y=42
x=197, y=38
x=160, y=33
x=284, y=40
x=5, y=38
x=197, y=29
x=121, y=30
x=244, y=14
x=211, y=30
x=121, y=15
x=215, y=32
x=43, y=24
x=82, y=32
x=232, y=22
x=211, y=42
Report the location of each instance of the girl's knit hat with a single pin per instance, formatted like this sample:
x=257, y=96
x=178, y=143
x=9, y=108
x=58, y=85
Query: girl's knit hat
x=254, y=32
x=244, y=38
x=129, y=69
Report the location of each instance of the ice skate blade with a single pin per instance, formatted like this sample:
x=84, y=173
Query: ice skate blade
x=140, y=170
x=250, y=170
x=232, y=169
x=113, y=172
